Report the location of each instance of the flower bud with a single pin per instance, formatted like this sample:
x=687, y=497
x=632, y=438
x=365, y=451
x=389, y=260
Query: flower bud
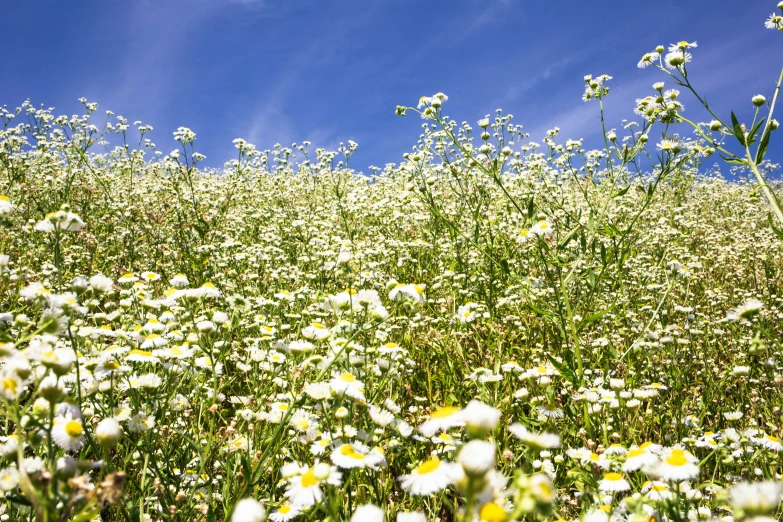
x=758, y=100
x=477, y=458
x=108, y=432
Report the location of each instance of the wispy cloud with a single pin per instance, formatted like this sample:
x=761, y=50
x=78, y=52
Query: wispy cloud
x=270, y=122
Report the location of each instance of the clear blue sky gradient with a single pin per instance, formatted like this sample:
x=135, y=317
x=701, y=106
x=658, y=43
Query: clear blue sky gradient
x=284, y=72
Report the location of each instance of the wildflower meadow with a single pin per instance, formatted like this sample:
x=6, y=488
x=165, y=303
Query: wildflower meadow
x=494, y=329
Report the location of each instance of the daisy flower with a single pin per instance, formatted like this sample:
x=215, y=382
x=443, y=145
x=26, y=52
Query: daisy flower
x=431, y=476
x=647, y=59
x=477, y=457
x=756, y=498
x=316, y=331
x=769, y=442
x=141, y=356
x=68, y=433
x=11, y=386
x=480, y=417
x=150, y=276
x=356, y=455
x=542, y=228
x=682, y=46
x=534, y=440
x=775, y=21
x=179, y=281
x=677, y=58
x=9, y=479
x=6, y=207
x=638, y=458
x=599, y=461
x=141, y=422
x=440, y=420
x=676, y=465
x=303, y=421
x=284, y=513
x=346, y=383
x=249, y=510
x=304, y=488
x=368, y=513
x=550, y=411
x=319, y=447
x=412, y=293
x=613, y=483
x=655, y=490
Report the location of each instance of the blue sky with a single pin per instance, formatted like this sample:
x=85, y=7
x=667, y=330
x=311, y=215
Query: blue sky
x=279, y=72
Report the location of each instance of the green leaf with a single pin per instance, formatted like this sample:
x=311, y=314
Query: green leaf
x=18, y=499
x=593, y=318
x=567, y=239
x=87, y=515
x=539, y=311
x=564, y=371
x=733, y=161
x=778, y=232
x=737, y=129
x=621, y=192
x=763, y=146
x=590, y=278
x=752, y=135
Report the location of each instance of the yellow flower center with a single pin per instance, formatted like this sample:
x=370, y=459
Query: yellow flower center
x=636, y=452
x=284, y=509
x=428, y=466
x=348, y=377
x=308, y=479
x=348, y=451
x=74, y=429
x=677, y=458
x=491, y=512
x=442, y=413
x=10, y=384
x=613, y=476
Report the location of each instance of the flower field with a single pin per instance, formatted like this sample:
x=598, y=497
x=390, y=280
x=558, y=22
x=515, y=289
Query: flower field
x=495, y=329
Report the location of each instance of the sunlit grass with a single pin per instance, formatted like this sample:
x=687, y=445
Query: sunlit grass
x=494, y=330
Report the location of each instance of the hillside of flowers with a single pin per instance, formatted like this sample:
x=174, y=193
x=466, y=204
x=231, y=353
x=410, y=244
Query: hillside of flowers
x=499, y=328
